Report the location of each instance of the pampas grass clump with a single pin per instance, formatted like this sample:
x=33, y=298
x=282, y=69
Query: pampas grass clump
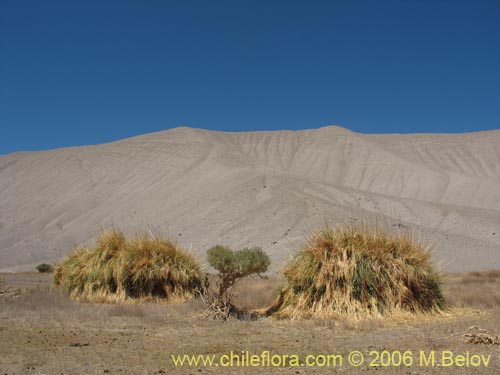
x=117, y=268
x=358, y=272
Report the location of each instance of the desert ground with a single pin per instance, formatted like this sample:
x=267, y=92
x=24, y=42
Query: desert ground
x=44, y=332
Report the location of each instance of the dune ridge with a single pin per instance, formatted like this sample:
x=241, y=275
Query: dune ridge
x=267, y=189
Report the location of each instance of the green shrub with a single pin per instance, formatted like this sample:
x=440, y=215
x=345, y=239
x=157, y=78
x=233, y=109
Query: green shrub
x=120, y=268
x=232, y=266
x=44, y=268
x=357, y=271
x=235, y=265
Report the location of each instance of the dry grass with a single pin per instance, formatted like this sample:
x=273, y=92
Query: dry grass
x=43, y=331
x=257, y=292
x=52, y=306
x=117, y=268
x=355, y=271
x=473, y=289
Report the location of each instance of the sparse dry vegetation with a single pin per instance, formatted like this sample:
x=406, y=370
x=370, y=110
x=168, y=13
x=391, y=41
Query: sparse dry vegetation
x=52, y=334
x=255, y=293
x=476, y=335
x=356, y=271
x=120, y=268
x=3, y=286
x=473, y=289
x=46, y=328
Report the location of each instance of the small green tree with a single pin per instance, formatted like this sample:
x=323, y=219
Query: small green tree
x=235, y=265
x=232, y=266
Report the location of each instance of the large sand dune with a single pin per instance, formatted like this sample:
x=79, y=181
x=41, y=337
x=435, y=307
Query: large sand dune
x=260, y=188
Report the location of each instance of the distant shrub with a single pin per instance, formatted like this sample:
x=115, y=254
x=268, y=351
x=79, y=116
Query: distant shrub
x=357, y=271
x=232, y=266
x=44, y=268
x=3, y=286
x=119, y=268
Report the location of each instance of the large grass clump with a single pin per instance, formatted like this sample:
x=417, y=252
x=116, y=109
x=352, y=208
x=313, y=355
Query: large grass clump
x=119, y=268
x=358, y=272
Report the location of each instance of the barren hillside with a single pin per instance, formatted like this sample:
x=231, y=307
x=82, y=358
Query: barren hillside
x=261, y=188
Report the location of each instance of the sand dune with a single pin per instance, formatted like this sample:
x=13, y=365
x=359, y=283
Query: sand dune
x=260, y=188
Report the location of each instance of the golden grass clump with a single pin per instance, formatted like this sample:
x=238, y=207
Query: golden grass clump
x=355, y=271
x=119, y=268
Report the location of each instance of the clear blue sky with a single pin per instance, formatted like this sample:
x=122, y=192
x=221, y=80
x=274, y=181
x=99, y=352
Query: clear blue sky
x=87, y=72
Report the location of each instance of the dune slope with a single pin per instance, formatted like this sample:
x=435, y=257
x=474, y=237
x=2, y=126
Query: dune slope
x=259, y=188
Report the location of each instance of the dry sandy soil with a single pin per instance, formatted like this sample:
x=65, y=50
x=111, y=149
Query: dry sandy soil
x=265, y=189
x=43, y=332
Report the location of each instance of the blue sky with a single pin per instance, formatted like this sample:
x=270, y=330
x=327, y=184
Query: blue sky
x=87, y=72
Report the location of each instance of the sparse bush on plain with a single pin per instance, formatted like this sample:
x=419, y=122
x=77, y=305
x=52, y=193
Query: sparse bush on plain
x=45, y=268
x=120, y=268
x=3, y=286
x=233, y=266
x=357, y=272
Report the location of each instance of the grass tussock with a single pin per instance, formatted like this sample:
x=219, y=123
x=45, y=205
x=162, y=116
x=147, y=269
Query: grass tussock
x=117, y=268
x=355, y=271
